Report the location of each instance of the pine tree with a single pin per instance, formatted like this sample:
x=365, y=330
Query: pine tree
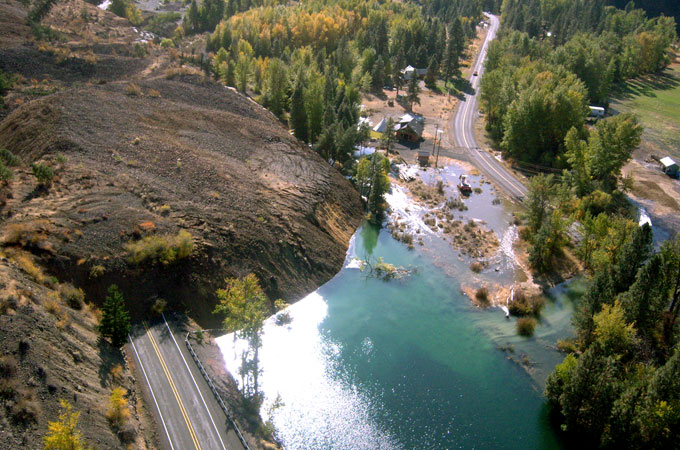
x=454, y=49
x=242, y=71
x=388, y=137
x=298, y=114
x=413, y=92
x=378, y=74
x=431, y=74
x=115, y=321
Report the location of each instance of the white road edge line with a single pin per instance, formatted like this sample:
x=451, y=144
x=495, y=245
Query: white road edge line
x=195, y=384
x=141, y=365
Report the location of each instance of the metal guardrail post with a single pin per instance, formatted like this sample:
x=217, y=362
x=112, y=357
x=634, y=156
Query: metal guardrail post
x=212, y=387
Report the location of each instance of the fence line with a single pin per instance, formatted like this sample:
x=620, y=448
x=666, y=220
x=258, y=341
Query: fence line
x=218, y=397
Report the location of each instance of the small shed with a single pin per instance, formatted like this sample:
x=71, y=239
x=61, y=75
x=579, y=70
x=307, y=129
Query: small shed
x=424, y=158
x=670, y=167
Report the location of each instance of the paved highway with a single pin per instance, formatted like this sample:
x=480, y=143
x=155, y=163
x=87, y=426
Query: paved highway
x=186, y=412
x=464, y=122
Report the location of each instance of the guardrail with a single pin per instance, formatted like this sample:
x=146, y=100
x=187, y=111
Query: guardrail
x=217, y=395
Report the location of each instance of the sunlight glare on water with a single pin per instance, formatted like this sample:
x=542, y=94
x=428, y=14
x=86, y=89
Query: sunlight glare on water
x=297, y=361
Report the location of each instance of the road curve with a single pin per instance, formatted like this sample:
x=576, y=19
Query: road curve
x=464, y=121
x=188, y=415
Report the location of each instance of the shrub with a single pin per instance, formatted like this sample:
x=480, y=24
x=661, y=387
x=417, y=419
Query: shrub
x=482, y=296
x=127, y=433
x=566, y=345
x=116, y=373
x=43, y=173
x=5, y=173
x=97, y=271
x=8, y=158
x=523, y=306
x=118, y=412
x=133, y=90
x=525, y=326
x=8, y=388
x=25, y=411
x=8, y=366
x=139, y=51
x=477, y=190
x=25, y=262
x=74, y=297
x=199, y=336
x=164, y=249
x=476, y=267
x=167, y=43
x=158, y=306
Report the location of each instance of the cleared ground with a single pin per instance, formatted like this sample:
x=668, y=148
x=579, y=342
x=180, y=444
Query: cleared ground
x=656, y=101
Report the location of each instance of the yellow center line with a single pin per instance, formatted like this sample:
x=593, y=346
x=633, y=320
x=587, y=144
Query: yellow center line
x=194, y=438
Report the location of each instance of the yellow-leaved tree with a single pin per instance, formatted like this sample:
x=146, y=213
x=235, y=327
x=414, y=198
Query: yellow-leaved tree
x=63, y=434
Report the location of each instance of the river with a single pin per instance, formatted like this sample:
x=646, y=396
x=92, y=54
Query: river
x=406, y=364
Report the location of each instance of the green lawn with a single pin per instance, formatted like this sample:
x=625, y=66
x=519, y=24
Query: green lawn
x=656, y=101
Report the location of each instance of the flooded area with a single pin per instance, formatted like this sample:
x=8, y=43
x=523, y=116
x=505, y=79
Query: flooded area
x=412, y=362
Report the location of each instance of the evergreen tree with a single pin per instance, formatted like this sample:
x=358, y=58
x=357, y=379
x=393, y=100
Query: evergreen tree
x=314, y=105
x=413, y=92
x=242, y=71
x=431, y=74
x=115, y=321
x=631, y=257
x=276, y=86
x=389, y=137
x=378, y=74
x=298, y=114
x=538, y=198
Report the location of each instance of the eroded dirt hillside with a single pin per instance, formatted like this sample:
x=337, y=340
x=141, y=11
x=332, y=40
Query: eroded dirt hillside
x=162, y=155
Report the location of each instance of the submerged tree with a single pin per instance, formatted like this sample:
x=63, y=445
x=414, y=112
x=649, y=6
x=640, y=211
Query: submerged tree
x=372, y=182
x=244, y=305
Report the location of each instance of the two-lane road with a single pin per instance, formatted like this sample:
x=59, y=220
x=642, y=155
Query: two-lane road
x=187, y=414
x=464, y=122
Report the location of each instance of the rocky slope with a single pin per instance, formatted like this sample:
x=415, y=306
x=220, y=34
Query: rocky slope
x=51, y=351
x=176, y=155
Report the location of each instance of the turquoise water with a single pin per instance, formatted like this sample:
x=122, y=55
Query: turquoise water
x=405, y=364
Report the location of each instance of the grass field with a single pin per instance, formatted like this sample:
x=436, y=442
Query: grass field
x=656, y=101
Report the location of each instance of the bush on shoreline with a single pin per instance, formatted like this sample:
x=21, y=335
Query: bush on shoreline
x=526, y=326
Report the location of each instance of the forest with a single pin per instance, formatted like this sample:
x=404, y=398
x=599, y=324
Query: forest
x=553, y=59
x=618, y=386
x=309, y=63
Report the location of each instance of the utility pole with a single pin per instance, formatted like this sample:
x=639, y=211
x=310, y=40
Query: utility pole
x=439, y=147
x=436, y=130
